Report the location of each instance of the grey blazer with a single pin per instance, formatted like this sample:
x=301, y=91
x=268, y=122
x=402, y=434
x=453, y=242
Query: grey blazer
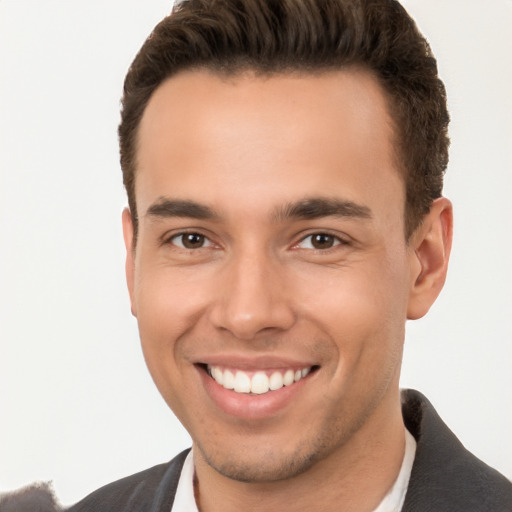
x=445, y=476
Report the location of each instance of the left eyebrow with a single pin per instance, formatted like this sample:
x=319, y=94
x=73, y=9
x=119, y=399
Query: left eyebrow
x=317, y=207
x=165, y=208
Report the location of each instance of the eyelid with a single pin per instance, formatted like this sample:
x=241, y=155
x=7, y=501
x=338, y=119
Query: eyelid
x=339, y=240
x=169, y=237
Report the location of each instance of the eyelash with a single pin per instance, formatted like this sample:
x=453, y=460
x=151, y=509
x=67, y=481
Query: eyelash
x=172, y=240
x=337, y=241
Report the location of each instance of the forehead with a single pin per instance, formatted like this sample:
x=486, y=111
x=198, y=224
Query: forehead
x=293, y=135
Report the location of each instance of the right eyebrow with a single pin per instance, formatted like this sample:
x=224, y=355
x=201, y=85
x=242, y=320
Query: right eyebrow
x=318, y=207
x=165, y=208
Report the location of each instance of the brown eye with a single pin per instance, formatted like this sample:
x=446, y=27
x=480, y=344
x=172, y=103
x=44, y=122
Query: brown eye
x=322, y=241
x=190, y=241
x=319, y=241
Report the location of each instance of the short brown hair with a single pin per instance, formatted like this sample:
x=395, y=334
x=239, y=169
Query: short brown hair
x=279, y=36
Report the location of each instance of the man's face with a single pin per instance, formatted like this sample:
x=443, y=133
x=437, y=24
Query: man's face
x=271, y=254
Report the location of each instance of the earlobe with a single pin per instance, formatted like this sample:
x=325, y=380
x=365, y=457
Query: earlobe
x=128, y=234
x=431, y=246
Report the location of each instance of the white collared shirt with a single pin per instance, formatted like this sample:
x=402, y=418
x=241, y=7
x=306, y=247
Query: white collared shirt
x=184, y=500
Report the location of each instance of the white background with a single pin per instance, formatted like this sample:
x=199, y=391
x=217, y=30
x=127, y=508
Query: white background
x=77, y=405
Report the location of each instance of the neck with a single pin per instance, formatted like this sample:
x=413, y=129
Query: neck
x=355, y=477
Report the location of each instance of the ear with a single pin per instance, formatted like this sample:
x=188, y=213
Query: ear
x=128, y=235
x=430, y=251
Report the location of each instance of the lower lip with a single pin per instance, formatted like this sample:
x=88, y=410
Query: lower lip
x=247, y=406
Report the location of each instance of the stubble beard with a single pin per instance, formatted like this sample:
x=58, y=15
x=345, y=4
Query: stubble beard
x=265, y=465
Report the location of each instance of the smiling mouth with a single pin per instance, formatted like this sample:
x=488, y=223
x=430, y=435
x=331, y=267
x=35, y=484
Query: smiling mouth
x=259, y=382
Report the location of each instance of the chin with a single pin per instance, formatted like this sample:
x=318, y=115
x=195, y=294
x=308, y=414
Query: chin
x=261, y=466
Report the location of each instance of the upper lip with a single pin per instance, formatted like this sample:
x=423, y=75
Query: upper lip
x=254, y=363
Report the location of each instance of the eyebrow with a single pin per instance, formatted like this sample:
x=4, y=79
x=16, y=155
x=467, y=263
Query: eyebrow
x=317, y=207
x=166, y=208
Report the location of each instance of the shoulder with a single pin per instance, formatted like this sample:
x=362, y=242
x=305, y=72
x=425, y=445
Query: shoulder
x=446, y=476
x=150, y=490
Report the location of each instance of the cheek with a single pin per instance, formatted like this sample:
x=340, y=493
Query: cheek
x=167, y=309
x=361, y=306
x=168, y=299
x=169, y=305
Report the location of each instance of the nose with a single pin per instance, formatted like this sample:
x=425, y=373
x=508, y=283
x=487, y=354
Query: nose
x=253, y=299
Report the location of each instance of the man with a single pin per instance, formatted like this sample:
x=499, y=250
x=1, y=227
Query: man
x=283, y=162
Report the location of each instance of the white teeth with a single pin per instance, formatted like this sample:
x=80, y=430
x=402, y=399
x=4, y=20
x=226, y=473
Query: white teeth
x=288, y=377
x=276, y=381
x=228, y=380
x=242, y=383
x=260, y=382
x=218, y=375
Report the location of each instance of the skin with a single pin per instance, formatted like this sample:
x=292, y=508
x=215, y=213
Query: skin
x=234, y=160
